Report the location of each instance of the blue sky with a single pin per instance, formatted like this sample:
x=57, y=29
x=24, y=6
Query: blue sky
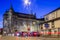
x=40, y=7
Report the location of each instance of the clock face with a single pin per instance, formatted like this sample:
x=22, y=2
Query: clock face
x=46, y=25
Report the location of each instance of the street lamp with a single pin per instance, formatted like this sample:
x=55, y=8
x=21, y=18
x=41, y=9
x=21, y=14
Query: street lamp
x=27, y=3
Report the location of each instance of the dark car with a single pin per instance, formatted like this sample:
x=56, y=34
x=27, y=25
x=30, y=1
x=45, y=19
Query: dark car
x=35, y=34
x=24, y=34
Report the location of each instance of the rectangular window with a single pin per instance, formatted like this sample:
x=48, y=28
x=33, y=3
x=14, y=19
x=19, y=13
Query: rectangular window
x=53, y=24
x=47, y=18
x=41, y=27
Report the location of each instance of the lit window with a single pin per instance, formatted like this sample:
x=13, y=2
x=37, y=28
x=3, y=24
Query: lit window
x=33, y=22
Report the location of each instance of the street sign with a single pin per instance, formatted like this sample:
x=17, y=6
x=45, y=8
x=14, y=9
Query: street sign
x=46, y=25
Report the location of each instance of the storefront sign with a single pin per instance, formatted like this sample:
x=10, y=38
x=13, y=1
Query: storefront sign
x=46, y=25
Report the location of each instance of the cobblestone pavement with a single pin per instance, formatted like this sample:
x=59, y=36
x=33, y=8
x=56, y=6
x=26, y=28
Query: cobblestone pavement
x=27, y=38
x=42, y=38
x=0, y=37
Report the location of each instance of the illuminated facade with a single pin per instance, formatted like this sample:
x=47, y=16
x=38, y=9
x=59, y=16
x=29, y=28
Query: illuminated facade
x=19, y=21
x=51, y=23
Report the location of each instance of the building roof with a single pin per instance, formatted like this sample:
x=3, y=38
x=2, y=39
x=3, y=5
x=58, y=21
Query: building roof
x=52, y=11
x=19, y=14
x=41, y=19
x=23, y=15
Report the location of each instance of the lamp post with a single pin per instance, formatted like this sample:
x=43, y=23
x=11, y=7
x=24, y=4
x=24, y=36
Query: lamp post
x=27, y=6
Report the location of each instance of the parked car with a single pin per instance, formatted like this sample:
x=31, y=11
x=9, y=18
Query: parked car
x=27, y=34
x=24, y=34
x=35, y=34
